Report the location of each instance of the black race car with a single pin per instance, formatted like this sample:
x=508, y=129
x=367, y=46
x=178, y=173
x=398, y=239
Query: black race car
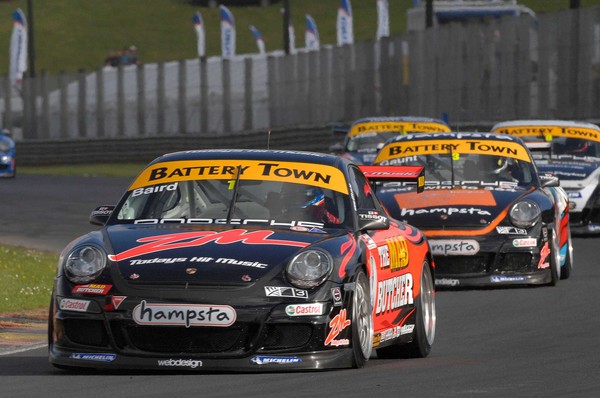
x=243, y=260
x=489, y=217
x=8, y=154
x=569, y=150
x=365, y=137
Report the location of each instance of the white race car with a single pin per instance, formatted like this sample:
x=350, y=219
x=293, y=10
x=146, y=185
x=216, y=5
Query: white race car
x=569, y=150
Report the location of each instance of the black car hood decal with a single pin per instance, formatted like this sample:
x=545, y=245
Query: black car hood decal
x=205, y=254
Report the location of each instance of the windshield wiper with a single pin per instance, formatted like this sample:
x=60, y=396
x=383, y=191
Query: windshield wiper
x=236, y=189
x=452, y=167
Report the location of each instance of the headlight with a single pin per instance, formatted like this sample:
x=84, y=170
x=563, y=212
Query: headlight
x=525, y=214
x=84, y=263
x=309, y=268
x=5, y=159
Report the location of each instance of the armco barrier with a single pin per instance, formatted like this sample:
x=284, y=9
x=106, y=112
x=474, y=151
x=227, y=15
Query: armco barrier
x=145, y=149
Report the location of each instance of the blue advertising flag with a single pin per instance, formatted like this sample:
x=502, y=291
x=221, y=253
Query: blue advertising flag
x=345, y=33
x=18, y=49
x=311, y=36
x=227, y=33
x=260, y=43
x=199, y=27
x=383, y=19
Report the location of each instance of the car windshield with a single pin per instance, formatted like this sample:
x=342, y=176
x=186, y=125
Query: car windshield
x=470, y=168
x=575, y=147
x=235, y=201
x=567, y=147
x=369, y=141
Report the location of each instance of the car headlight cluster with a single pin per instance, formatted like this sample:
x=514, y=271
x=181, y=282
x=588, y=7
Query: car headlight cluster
x=525, y=214
x=309, y=268
x=84, y=263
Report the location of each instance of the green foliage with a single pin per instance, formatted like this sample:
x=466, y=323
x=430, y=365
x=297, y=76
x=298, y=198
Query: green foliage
x=25, y=278
x=78, y=34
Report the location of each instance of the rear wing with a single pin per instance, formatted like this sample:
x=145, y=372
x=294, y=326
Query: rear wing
x=539, y=149
x=396, y=173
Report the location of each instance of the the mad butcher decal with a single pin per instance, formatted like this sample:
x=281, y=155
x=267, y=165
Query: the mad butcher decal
x=158, y=243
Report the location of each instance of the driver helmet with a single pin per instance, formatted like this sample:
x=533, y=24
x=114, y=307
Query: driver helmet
x=576, y=146
x=493, y=164
x=298, y=196
x=315, y=196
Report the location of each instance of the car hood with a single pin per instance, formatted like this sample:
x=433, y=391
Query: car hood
x=569, y=169
x=208, y=254
x=451, y=208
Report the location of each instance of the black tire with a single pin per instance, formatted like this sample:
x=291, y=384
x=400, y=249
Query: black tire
x=362, y=321
x=50, y=318
x=554, y=257
x=425, y=323
x=567, y=268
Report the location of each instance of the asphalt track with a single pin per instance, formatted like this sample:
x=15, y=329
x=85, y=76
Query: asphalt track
x=524, y=342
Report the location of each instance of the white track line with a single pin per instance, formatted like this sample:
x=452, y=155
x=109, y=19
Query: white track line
x=28, y=348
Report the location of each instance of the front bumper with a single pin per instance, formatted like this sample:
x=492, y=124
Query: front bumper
x=502, y=260
x=181, y=362
x=93, y=334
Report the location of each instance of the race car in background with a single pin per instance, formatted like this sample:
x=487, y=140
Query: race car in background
x=244, y=260
x=569, y=150
x=365, y=137
x=489, y=218
x=8, y=152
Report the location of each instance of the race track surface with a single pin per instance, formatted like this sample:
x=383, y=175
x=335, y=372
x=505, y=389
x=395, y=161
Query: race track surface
x=523, y=342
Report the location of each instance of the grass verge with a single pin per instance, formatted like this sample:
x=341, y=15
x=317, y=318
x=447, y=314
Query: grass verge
x=26, y=278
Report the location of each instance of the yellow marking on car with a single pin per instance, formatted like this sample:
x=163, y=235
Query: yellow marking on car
x=402, y=149
x=317, y=175
x=548, y=132
x=400, y=127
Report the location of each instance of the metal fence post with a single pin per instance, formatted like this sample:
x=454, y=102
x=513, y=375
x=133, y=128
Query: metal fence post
x=64, y=105
x=248, y=103
x=100, y=125
x=182, y=95
x=81, y=104
x=226, y=68
x=141, y=100
x=203, y=96
x=160, y=99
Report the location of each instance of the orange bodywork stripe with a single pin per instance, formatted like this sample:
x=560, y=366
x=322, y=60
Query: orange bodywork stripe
x=484, y=231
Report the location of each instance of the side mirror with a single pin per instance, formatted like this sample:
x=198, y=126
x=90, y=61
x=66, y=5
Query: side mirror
x=549, y=181
x=339, y=129
x=372, y=219
x=336, y=148
x=101, y=214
